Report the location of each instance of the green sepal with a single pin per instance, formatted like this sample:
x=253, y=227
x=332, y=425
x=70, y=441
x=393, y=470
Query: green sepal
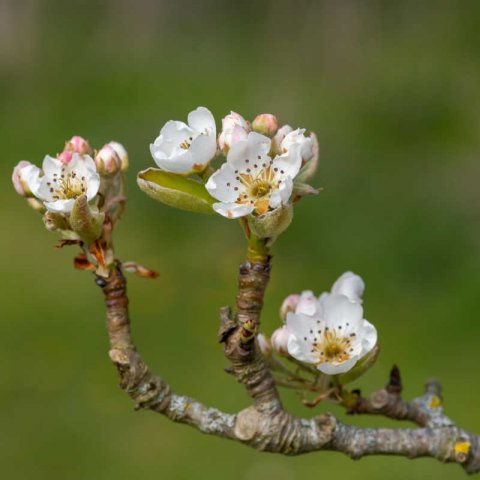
x=175, y=190
x=271, y=224
x=86, y=222
x=360, y=368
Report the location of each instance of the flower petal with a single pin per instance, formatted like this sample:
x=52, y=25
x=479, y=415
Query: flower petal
x=221, y=185
x=335, y=369
x=201, y=120
x=232, y=210
x=350, y=285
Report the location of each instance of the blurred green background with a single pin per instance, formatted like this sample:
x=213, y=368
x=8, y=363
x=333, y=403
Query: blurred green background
x=392, y=90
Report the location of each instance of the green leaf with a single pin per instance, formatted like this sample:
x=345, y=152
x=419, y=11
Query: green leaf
x=175, y=190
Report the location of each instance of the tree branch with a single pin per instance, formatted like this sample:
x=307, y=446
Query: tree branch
x=273, y=429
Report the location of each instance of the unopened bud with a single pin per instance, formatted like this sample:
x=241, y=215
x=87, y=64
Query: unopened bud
x=264, y=344
x=79, y=145
x=107, y=161
x=122, y=154
x=65, y=156
x=289, y=305
x=234, y=129
x=279, y=340
x=19, y=178
x=266, y=124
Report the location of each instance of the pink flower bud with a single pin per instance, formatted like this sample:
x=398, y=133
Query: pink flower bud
x=266, y=124
x=78, y=145
x=279, y=340
x=19, y=178
x=107, y=161
x=234, y=129
x=65, y=157
x=264, y=344
x=121, y=153
x=289, y=305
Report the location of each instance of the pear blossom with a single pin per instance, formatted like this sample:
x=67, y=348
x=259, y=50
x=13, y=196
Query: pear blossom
x=182, y=148
x=234, y=129
x=76, y=144
x=60, y=185
x=20, y=174
x=251, y=181
x=264, y=344
x=334, y=338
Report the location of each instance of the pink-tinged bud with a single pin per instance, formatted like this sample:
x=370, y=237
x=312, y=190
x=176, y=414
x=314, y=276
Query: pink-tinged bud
x=289, y=305
x=78, y=145
x=65, y=157
x=234, y=129
x=279, y=340
x=122, y=154
x=19, y=178
x=107, y=161
x=264, y=344
x=266, y=124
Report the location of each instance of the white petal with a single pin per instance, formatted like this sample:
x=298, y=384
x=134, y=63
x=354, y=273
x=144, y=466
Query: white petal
x=232, y=210
x=338, y=310
x=221, y=185
x=368, y=337
x=31, y=175
x=302, y=326
x=181, y=163
x=350, y=285
x=300, y=349
x=332, y=369
x=51, y=165
x=60, y=206
x=307, y=303
x=93, y=185
x=202, y=149
x=201, y=120
x=254, y=146
x=289, y=163
x=282, y=194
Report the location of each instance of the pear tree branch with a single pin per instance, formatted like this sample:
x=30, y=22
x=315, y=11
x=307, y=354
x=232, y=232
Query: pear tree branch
x=265, y=425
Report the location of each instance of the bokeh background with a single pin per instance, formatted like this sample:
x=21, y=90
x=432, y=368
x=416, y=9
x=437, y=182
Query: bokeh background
x=392, y=90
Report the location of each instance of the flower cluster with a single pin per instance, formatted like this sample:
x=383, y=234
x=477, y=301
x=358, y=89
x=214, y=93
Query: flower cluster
x=328, y=332
x=74, y=189
x=264, y=170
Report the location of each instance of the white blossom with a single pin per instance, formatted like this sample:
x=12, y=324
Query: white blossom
x=61, y=184
x=286, y=138
x=331, y=332
x=234, y=129
x=251, y=181
x=182, y=148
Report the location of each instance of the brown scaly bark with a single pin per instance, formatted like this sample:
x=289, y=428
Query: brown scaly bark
x=265, y=425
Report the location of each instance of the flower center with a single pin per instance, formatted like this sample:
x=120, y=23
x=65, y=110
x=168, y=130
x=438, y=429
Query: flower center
x=67, y=186
x=257, y=189
x=332, y=348
x=186, y=143
x=260, y=188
